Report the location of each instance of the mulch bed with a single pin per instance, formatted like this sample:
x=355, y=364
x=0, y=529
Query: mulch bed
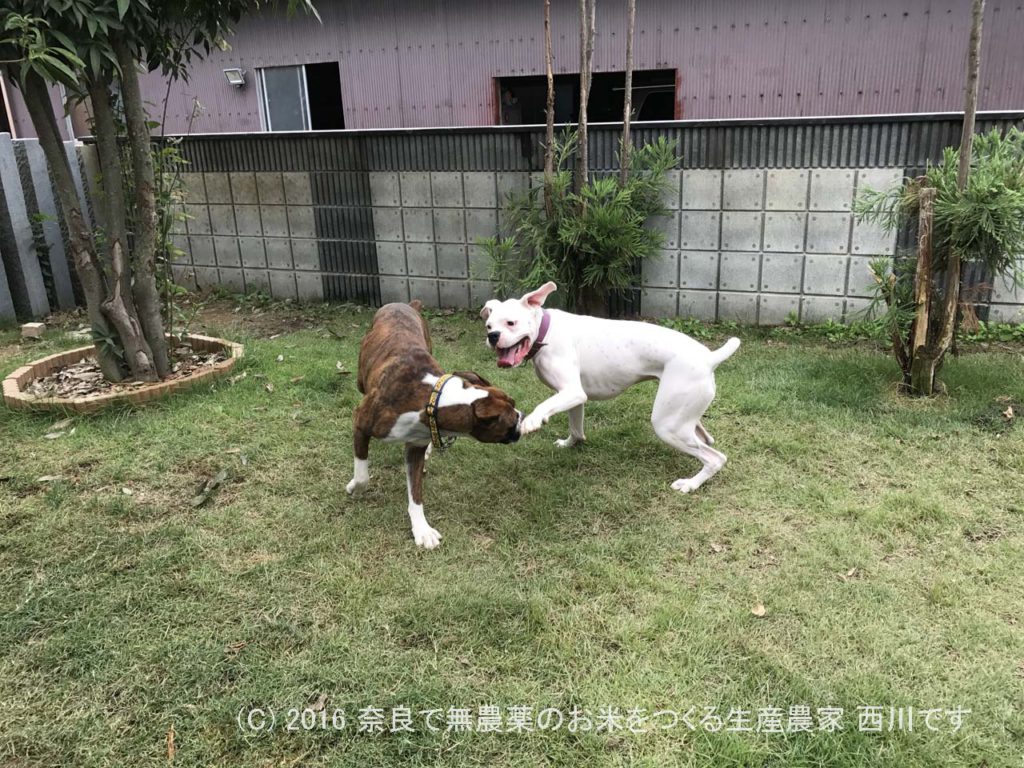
x=85, y=378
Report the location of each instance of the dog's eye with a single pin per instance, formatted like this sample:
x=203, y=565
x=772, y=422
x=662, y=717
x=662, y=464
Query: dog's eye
x=511, y=323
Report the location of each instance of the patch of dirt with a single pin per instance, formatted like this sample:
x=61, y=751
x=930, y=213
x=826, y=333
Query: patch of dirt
x=85, y=378
x=266, y=319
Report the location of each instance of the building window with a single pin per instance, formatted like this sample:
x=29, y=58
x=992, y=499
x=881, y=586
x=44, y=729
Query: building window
x=522, y=99
x=306, y=97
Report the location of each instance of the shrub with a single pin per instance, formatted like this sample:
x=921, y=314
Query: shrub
x=587, y=242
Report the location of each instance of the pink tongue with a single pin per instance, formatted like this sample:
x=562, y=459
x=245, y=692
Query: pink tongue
x=507, y=357
x=512, y=356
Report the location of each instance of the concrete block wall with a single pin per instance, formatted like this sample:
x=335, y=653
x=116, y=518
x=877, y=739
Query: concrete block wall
x=427, y=226
x=250, y=231
x=760, y=245
x=759, y=225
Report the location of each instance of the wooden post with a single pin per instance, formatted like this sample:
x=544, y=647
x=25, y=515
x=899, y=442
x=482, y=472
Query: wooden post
x=921, y=370
x=923, y=276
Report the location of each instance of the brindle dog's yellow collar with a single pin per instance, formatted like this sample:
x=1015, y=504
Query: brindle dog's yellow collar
x=440, y=443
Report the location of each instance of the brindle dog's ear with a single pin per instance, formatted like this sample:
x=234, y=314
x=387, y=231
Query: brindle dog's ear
x=487, y=408
x=473, y=378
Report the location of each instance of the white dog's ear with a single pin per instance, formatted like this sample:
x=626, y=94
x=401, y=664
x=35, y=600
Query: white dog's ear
x=536, y=298
x=488, y=308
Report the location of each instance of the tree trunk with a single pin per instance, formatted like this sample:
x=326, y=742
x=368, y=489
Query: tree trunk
x=146, y=295
x=627, y=109
x=932, y=355
x=587, y=21
x=119, y=306
x=549, y=136
x=83, y=255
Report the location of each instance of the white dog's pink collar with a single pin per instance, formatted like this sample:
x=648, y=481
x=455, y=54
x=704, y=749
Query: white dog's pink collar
x=545, y=323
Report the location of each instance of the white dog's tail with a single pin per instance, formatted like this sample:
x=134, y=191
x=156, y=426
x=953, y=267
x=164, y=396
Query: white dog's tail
x=724, y=352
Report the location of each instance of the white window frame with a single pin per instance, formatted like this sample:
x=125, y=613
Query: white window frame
x=261, y=88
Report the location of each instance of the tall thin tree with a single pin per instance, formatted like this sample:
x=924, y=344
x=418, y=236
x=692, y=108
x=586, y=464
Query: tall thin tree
x=627, y=108
x=549, y=136
x=587, y=23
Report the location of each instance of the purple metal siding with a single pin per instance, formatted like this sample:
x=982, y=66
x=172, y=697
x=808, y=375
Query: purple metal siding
x=415, y=63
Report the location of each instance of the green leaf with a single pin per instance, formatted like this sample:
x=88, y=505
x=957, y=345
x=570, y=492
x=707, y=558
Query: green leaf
x=122, y=8
x=59, y=66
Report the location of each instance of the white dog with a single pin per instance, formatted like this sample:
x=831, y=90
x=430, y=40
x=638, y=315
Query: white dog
x=585, y=358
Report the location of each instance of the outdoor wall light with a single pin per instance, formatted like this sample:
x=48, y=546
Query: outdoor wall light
x=235, y=76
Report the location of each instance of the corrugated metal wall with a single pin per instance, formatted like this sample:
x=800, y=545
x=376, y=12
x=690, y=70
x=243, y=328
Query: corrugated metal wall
x=903, y=141
x=408, y=63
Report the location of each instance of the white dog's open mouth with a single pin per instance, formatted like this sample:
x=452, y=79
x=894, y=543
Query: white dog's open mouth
x=510, y=357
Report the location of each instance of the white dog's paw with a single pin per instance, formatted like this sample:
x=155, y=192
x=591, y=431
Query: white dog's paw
x=569, y=442
x=684, y=485
x=426, y=537
x=532, y=423
x=356, y=487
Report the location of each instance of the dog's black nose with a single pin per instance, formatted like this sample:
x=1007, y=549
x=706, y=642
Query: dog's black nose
x=492, y=338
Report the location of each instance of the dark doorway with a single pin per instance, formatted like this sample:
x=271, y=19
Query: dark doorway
x=323, y=84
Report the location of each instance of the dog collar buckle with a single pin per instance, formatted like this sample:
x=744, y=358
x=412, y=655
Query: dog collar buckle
x=441, y=444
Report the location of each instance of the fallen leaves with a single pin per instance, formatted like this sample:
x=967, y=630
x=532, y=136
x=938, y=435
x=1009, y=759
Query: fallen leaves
x=319, y=704
x=85, y=378
x=206, y=488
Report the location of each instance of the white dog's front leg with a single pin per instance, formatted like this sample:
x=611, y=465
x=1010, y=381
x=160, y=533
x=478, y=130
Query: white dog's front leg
x=557, y=403
x=576, y=435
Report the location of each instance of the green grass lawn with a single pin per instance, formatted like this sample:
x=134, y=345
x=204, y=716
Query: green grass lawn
x=884, y=538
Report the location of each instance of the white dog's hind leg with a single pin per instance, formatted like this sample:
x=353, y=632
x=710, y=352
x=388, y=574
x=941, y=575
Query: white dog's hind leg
x=576, y=435
x=678, y=406
x=704, y=435
x=712, y=460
